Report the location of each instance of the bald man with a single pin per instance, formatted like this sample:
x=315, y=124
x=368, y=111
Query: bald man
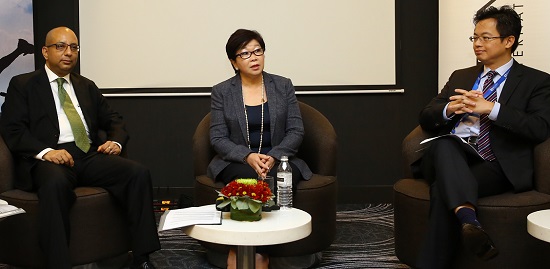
x=56, y=147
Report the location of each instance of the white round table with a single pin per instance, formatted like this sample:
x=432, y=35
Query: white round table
x=538, y=224
x=275, y=227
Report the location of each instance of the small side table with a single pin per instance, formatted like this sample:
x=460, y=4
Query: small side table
x=538, y=224
x=275, y=227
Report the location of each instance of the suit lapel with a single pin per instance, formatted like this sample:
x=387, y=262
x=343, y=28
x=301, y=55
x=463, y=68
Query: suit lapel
x=272, y=99
x=511, y=83
x=473, y=76
x=236, y=94
x=44, y=90
x=82, y=96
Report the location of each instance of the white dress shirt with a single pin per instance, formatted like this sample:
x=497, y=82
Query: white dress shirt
x=469, y=125
x=65, y=131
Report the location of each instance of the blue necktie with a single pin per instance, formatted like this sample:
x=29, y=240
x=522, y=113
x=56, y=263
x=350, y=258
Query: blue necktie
x=483, y=143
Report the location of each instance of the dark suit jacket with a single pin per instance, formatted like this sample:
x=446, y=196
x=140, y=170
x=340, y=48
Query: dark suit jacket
x=523, y=120
x=29, y=121
x=228, y=123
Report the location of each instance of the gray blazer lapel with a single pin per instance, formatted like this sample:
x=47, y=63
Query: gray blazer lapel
x=272, y=99
x=236, y=94
x=512, y=81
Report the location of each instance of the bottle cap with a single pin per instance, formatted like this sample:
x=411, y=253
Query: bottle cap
x=284, y=158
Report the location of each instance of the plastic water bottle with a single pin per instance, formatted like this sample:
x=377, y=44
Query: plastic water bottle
x=284, y=184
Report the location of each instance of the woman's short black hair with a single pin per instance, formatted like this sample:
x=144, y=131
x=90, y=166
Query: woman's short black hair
x=508, y=21
x=239, y=39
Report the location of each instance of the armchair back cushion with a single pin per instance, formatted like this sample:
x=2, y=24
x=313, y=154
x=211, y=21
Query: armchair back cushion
x=316, y=196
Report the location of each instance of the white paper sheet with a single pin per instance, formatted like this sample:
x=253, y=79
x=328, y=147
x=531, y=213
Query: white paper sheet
x=178, y=218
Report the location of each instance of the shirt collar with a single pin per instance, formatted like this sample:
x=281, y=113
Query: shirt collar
x=501, y=70
x=52, y=76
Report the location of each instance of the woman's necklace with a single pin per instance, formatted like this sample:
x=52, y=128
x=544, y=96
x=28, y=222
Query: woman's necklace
x=262, y=123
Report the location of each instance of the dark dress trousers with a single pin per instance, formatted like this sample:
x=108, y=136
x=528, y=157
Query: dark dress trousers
x=459, y=176
x=29, y=124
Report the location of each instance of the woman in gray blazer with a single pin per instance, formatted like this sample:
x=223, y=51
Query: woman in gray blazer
x=255, y=117
x=255, y=120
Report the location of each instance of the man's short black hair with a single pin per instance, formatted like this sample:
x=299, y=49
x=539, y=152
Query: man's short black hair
x=508, y=21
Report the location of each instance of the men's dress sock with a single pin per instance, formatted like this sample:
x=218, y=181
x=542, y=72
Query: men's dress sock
x=467, y=215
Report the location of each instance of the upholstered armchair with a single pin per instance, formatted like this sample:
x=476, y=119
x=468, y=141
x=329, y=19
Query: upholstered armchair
x=503, y=216
x=316, y=196
x=99, y=229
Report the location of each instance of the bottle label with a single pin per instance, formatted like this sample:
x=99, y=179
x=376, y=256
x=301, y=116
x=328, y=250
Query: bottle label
x=284, y=179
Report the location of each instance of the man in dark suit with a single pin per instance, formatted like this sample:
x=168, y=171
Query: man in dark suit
x=50, y=121
x=501, y=109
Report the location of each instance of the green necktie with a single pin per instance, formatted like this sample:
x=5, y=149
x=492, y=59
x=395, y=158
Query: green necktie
x=79, y=131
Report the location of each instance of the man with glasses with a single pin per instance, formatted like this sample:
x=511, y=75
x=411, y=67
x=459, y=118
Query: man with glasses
x=501, y=110
x=50, y=122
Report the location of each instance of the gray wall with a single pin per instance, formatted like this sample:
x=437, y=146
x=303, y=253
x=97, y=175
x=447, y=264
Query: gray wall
x=370, y=127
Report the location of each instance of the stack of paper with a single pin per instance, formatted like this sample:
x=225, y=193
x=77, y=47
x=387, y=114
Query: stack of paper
x=178, y=218
x=8, y=210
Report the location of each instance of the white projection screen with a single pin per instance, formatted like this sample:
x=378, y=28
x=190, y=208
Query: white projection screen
x=137, y=44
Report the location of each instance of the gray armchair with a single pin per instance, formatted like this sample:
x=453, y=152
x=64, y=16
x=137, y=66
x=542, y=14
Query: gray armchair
x=316, y=196
x=503, y=216
x=98, y=228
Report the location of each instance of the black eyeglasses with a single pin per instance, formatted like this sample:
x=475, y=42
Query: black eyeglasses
x=484, y=38
x=62, y=46
x=246, y=54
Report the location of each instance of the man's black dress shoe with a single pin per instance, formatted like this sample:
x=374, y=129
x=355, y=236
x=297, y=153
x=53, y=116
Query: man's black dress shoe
x=478, y=242
x=145, y=265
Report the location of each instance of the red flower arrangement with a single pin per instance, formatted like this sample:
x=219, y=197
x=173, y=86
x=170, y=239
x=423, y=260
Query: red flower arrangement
x=246, y=193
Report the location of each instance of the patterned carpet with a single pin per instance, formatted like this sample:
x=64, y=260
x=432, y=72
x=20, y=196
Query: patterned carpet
x=364, y=239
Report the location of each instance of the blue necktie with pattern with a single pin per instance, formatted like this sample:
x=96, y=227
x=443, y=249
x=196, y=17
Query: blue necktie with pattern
x=483, y=143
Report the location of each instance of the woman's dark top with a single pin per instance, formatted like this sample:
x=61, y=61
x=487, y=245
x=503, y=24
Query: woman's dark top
x=254, y=127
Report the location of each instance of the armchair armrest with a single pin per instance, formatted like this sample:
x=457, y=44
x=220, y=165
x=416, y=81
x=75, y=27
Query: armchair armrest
x=7, y=171
x=542, y=167
x=412, y=150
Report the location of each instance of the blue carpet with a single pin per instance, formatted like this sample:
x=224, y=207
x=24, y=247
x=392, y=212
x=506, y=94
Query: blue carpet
x=364, y=239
